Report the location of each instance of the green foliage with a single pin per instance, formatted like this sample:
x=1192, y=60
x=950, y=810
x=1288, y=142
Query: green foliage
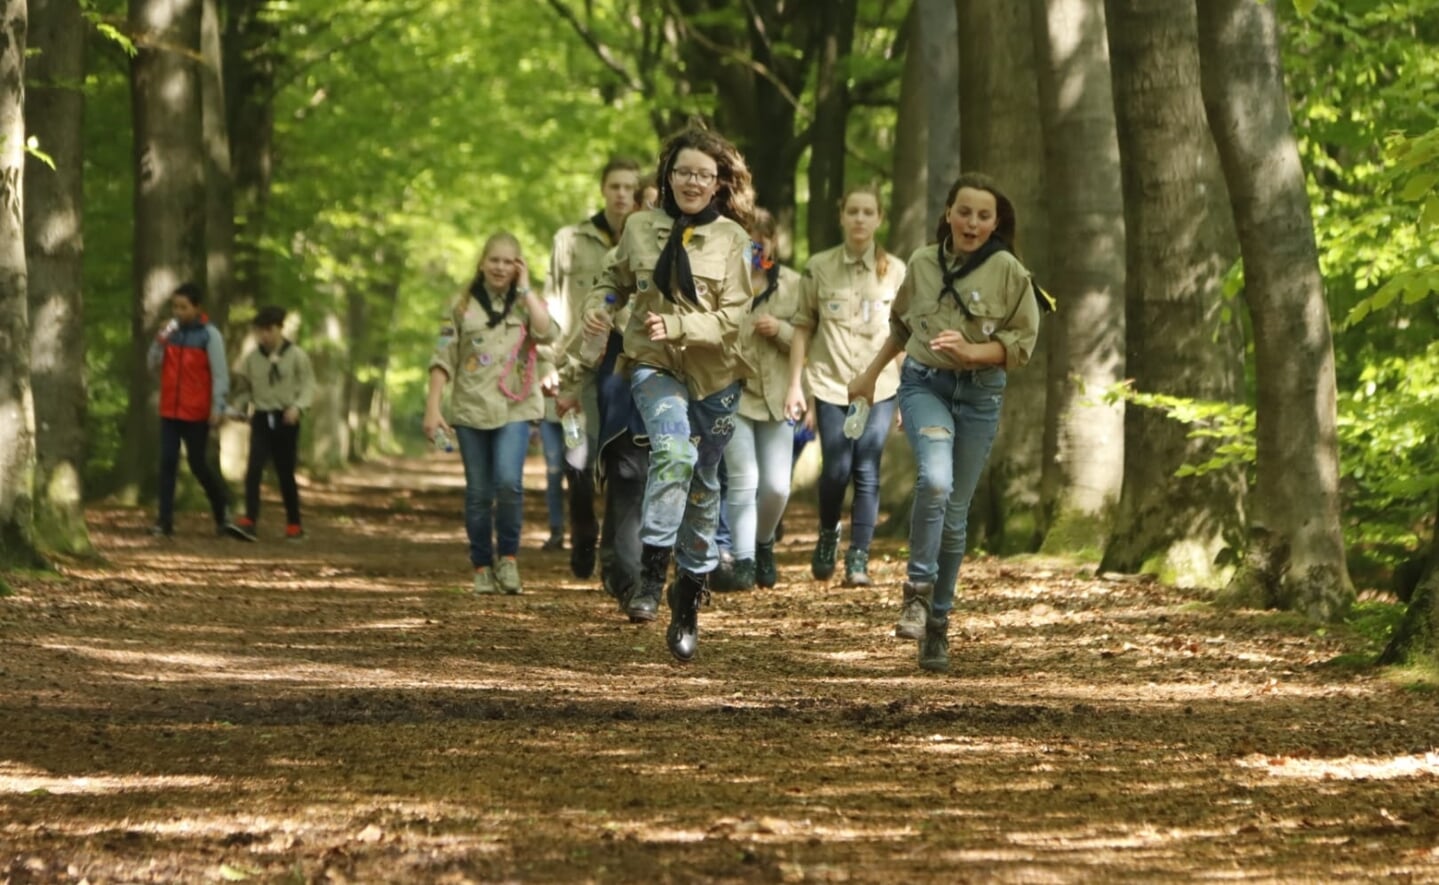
x=1231, y=425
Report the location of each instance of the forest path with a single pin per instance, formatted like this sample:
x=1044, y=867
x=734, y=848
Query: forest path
x=342, y=710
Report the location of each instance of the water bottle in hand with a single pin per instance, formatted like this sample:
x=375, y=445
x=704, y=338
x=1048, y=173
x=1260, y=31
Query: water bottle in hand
x=574, y=426
x=856, y=419
x=442, y=441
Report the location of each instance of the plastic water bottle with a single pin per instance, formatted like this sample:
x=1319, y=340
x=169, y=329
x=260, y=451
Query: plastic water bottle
x=592, y=348
x=442, y=441
x=574, y=426
x=856, y=419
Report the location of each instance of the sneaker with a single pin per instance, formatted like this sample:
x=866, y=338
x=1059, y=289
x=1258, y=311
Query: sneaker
x=159, y=531
x=821, y=564
x=485, y=581
x=242, y=528
x=556, y=542
x=294, y=532
x=507, y=575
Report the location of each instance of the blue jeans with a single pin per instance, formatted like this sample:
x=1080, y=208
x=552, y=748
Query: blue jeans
x=552, y=439
x=687, y=440
x=758, y=460
x=844, y=460
x=951, y=418
x=494, y=485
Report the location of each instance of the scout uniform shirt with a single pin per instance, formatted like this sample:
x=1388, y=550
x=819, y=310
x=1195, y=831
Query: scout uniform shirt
x=493, y=369
x=275, y=381
x=702, y=349
x=764, y=390
x=999, y=305
x=576, y=260
x=847, y=305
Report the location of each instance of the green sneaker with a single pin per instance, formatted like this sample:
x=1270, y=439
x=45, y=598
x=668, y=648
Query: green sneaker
x=485, y=581
x=507, y=575
x=821, y=564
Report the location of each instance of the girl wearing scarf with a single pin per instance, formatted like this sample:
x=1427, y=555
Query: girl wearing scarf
x=684, y=269
x=966, y=315
x=487, y=348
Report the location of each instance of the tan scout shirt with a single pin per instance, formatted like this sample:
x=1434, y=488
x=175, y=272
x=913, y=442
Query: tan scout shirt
x=292, y=385
x=577, y=257
x=997, y=294
x=764, y=390
x=847, y=305
x=480, y=361
x=703, y=339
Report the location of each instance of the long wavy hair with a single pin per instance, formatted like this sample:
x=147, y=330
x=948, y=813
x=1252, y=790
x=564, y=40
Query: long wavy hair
x=1006, y=226
x=735, y=196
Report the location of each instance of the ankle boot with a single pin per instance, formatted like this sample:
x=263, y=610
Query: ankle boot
x=685, y=596
x=722, y=578
x=821, y=564
x=766, y=574
x=914, y=611
x=737, y=578
x=856, y=568
x=934, y=647
x=644, y=601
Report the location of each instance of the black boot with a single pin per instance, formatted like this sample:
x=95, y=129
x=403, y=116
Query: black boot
x=766, y=574
x=740, y=577
x=685, y=596
x=644, y=602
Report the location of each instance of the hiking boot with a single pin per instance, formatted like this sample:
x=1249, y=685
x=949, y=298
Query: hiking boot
x=556, y=541
x=293, y=532
x=766, y=574
x=741, y=577
x=856, y=568
x=507, y=575
x=722, y=578
x=686, y=595
x=914, y=611
x=821, y=564
x=242, y=528
x=934, y=647
x=582, y=557
x=643, y=604
x=485, y=581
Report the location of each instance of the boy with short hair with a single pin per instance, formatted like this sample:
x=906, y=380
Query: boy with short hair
x=189, y=354
x=276, y=379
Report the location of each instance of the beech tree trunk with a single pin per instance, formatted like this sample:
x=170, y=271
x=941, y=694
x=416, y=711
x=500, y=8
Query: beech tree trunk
x=248, y=77
x=17, y=416
x=1179, y=244
x=1296, y=560
x=831, y=117
x=169, y=205
x=54, y=246
x=999, y=95
x=1082, y=480
x=909, y=221
x=1417, y=637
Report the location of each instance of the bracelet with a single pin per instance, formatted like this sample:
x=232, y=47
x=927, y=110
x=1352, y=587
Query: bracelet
x=523, y=292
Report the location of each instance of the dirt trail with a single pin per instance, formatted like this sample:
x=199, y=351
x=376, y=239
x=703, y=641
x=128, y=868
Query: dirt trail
x=342, y=711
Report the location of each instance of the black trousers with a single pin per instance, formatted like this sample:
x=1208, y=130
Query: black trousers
x=195, y=435
x=271, y=439
x=626, y=466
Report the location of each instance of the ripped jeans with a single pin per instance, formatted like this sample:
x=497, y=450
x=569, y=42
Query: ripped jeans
x=687, y=439
x=951, y=418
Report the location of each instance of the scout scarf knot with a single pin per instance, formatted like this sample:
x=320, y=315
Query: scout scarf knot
x=482, y=295
x=274, y=357
x=771, y=286
x=600, y=221
x=675, y=259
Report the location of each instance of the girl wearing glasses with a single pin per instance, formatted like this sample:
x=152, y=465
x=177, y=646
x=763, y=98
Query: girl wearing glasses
x=966, y=315
x=684, y=269
x=842, y=322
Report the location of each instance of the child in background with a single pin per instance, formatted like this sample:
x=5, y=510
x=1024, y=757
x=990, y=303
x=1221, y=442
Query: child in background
x=276, y=381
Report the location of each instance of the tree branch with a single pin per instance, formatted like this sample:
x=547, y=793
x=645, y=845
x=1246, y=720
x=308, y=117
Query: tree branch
x=730, y=54
x=601, y=51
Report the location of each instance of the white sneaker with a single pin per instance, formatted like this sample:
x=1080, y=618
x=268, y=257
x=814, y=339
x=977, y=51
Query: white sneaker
x=507, y=575
x=485, y=581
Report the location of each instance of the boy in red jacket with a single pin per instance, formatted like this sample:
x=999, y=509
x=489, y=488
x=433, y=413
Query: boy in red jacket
x=194, y=379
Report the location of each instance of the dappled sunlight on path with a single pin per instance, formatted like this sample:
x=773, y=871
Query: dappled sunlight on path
x=344, y=710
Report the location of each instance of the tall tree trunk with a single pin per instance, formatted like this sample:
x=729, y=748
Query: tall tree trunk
x=939, y=47
x=1417, y=637
x=835, y=39
x=909, y=221
x=1179, y=244
x=169, y=203
x=999, y=97
x=17, y=415
x=329, y=428
x=1081, y=482
x=249, y=48
x=1296, y=560
x=54, y=245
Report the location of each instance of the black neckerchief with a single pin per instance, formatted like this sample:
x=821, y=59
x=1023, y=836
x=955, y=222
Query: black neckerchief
x=482, y=295
x=675, y=257
x=771, y=286
x=274, y=358
x=992, y=246
x=600, y=221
